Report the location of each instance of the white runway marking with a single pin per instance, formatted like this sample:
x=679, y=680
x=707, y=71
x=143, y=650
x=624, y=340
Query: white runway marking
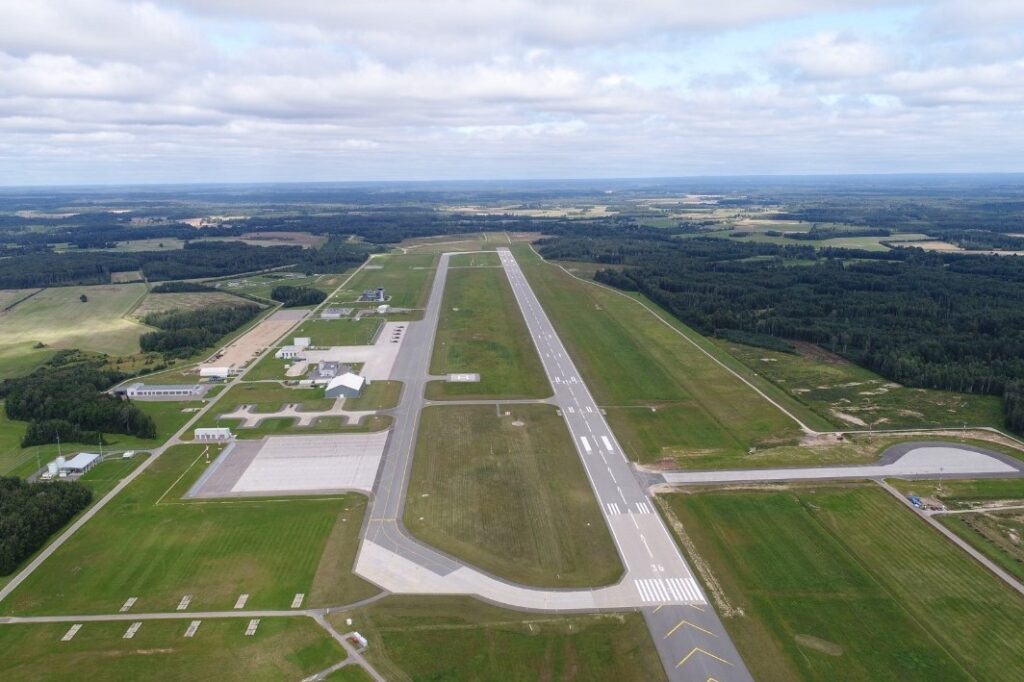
x=132, y=629
x=185, y=601
x=644, y=508
x=297, y=602
x=612, y=475
x=251, y=629
x=607, y=443
x=192, y=627
x=130, y=602
x=590, y=410
x=72, y=631
x=613, y=508
x=242, y=599
x=668, y=590
x=586, y=444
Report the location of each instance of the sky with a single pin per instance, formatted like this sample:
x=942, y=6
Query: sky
x=114, y=92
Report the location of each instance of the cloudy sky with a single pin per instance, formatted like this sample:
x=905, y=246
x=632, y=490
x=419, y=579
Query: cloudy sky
x=110, y=91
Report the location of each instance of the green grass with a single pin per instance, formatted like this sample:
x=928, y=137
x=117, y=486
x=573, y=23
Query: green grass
x=340, y=332
x=472, y=476
x=705, y=416
x=475, y=260
x=842, y=582
x=282, y=648
x=148, y=544
x=349, y=673
x=57, y=318
x=377, y=395
x=193, y=300
x=964, y=494
x=406, y=278
x=458, y=638
x=830, y=386
x=262, y=285
x=482, y=330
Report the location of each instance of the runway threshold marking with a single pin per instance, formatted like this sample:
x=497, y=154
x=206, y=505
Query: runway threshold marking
x=697, y=650
x=688, y=623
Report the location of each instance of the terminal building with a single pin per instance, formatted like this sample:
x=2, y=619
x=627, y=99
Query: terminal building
x=347, y=385
x=377, y=295
x=327, y=370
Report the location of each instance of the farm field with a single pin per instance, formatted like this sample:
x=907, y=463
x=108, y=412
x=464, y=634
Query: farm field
x=283, y=648
x=212, y=551
x=406, y=278
x=460, y=639
x=481, y=330
x=57, y=318
x=853, y=397
x=158, y=303
x=475, y=260
x=339, y=332
x=664, y=398
x=509, y=495
x=799, y=572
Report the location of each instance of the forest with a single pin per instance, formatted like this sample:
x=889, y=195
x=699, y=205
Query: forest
x=922, y=319
x=64, y=398
x=31, y=512
x=186, y=332
x=293, y=297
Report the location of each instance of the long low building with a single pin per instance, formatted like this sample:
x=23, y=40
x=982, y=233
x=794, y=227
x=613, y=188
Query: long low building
x=214, y=433
x=183, y=391
x=215, y=372
x=80, y=463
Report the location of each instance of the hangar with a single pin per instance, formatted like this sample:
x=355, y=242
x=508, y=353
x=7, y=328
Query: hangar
x=215, y=372
x=287, y=352
x=348, y=385
x=173, y=392
x=216, y=433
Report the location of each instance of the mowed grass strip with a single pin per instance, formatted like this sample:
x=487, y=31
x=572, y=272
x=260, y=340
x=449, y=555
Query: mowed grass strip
x=461, y=639
x=148, y=544
x=488, y=259
x=842, y=582
x=482, y=330
x=282, y=648
x=631, y=360
x=377, y=395
x=406, y=278
x=344, y=332
x=508, y=494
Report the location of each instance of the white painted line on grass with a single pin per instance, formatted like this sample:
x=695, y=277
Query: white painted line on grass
x=185, y=601
x=192, y=627
x=132, y=629
x=130, y=602
x=242, y=599
x=297, y=602
x=251, y=629
x=72, y=631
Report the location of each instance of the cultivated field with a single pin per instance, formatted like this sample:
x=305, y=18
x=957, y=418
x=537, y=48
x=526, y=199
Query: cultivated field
x=851, y=397
x=150, y=545
x=406, y=278
x=509, y=495
x=340, y=332
x=843, y=582
x=57, y=318
x=481, y=330
x=462, y=640
x=282, y=648
x=665, y=399
x=158, y=303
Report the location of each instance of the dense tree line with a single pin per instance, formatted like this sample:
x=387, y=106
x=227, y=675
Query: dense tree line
x=186, y=332
x=922, y=319
x=31, y=512
x=66, y=399
x=180, y=287
x=292, y=297
x=337, y=255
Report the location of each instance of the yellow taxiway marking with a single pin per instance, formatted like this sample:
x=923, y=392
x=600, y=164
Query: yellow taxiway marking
x=686, y=622
x=695, y=650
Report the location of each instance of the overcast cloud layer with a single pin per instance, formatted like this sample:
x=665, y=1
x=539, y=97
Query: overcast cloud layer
x=101, y=91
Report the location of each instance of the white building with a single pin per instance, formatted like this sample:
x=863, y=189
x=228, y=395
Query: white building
x=287, y=352
x=348, y=385
x=216, y=433
x=184, y=391
x=302, y=341
x=79, y=464
x=215, y=372
x=383, y=309
x=335, y=313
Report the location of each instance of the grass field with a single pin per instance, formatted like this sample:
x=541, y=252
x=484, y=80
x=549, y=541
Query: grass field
x=148, y=544
x=481, y=330
x=460, y=639
x=406, y=278
x=853, y=397
x=57, y=318
x=194, y=300
x=378, y=395
x=262, y=285
x=843, y=583
x=282, y=648
x=633, y=363
x=340, y=332
x=475, y=260
x=508, y=495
